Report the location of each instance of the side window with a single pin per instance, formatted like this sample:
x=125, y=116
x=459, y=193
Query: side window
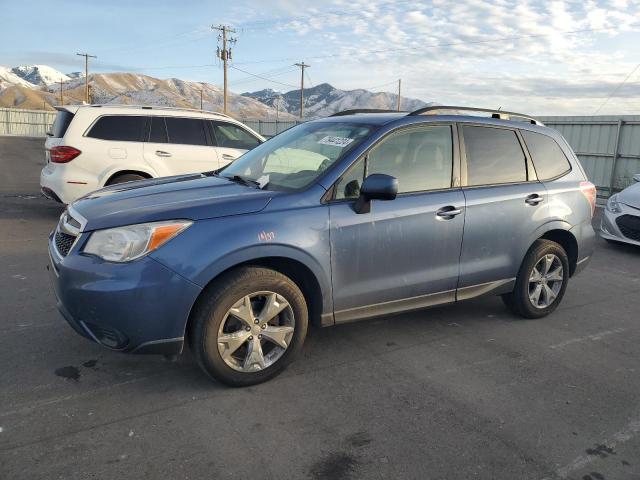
x=494, y=155
x=349, y=184
x=231, y=136
x=158, y=131
x=186, y=131
x=548, y=158
x=126, y=128
x=420, y=158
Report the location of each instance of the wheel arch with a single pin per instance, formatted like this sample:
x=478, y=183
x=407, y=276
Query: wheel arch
x=299, y=272
x=569, y=243
x=134, y=171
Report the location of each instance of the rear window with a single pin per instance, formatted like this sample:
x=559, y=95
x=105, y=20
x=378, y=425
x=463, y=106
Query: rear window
x=548, y=158
x=125, y=128
x=494, y=155
x=186, y=131
x=61, y=123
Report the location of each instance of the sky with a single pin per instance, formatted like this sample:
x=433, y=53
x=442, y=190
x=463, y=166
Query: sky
x=537, y=57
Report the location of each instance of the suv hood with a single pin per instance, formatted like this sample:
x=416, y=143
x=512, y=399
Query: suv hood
x=630, y=195
x=192, y=197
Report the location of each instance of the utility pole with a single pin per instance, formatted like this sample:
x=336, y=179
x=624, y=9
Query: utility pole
x=302, y=67
x=86, y=74
x=224, y=54
x=200, y=99
x=399, y=85
x=61, y=99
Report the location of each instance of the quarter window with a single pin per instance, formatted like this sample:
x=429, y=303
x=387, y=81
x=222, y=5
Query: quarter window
x=548, y=158
x=186, y=131
x=125, y=128
x=231, y=136
x=494, y=155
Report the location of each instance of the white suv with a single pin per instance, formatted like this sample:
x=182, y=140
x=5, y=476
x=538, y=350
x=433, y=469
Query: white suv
x=90, y=146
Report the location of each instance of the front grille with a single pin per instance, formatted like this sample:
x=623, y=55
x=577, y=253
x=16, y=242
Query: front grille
x=64, y=242
x=629, y=225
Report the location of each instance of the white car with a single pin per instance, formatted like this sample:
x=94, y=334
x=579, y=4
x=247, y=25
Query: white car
x=621, y=217
x=91, y=146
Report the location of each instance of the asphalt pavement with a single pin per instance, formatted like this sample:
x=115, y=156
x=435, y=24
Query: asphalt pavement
x=457, y=392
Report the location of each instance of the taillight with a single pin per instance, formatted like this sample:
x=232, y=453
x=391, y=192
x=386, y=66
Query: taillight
x=63, y=154
x=588, y=189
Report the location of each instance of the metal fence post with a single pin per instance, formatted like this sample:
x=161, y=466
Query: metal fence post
x=616, y=154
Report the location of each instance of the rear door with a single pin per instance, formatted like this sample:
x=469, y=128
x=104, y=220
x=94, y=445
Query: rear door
x=178, y=145
x=404, y=253
x=231, y=140
x=505, y=204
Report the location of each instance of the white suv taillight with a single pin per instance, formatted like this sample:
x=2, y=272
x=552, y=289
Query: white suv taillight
x=588, y=189
x=63, y=154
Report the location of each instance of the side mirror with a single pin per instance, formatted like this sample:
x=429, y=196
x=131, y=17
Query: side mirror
x=636, y=177
x=376, y=186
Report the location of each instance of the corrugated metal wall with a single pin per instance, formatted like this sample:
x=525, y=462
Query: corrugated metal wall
x=608, y=147
x=28, y=123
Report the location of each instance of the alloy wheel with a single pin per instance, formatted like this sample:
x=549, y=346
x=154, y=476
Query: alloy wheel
x=545, y=281
x=256, y=331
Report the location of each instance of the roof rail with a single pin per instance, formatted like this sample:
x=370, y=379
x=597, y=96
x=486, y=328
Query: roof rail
x=501, y=114
x=152, y=107
x=362, y=110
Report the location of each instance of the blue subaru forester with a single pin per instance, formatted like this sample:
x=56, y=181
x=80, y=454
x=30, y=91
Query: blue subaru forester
x=334, y=220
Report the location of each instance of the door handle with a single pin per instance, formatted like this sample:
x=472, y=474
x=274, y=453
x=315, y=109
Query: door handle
x=448, y=212
x=226, y=156
x=162, y=153
x=534, y=199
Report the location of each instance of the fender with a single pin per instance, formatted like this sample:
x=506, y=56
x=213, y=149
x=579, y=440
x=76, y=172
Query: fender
x=547, y=227
x=257, y=252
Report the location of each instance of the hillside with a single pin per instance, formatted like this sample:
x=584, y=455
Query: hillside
x=324, y=99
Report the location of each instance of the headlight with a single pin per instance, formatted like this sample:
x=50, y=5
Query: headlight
x=612, y=204
x=123, y=244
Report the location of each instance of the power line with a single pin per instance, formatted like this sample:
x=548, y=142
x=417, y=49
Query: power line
x=261, y=77
x=615, y=90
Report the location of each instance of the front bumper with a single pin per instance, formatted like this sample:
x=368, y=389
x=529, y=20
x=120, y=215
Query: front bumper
x=609, y=229
x=139, y=307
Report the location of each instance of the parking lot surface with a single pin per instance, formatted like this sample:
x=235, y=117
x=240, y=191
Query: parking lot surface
x=458, y=392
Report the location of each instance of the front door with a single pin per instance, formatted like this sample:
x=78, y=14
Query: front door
x=179, y=145
x=231, y=141
x=404, y=253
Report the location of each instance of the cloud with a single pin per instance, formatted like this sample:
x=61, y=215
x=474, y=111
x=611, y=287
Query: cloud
x=525, y=54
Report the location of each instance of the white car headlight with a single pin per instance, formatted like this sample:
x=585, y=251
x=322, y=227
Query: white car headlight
x=123, y=244
x=612, y=204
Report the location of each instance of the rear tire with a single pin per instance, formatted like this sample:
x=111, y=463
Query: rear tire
x=125, y=177
x=236, y=337
x=538, y=293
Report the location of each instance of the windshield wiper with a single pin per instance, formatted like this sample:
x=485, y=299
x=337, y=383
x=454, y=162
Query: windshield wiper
x=244, y=181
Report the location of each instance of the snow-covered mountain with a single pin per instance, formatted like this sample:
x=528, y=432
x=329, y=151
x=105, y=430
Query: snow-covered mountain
x=324, y=99
x=8, y=79
x=40, y=75
x=18, y=89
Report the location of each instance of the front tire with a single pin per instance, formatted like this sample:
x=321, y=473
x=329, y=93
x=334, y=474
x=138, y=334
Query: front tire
x=541, y=282
x=249, y=326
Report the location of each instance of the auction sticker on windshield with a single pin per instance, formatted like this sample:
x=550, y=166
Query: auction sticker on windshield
x=336, y=141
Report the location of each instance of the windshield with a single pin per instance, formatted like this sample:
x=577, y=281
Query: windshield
x=295, y=158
